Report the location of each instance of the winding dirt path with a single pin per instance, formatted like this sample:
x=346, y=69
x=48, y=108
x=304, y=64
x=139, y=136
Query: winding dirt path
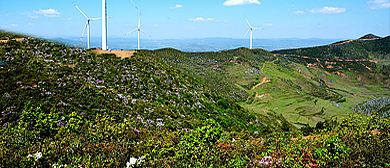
x=264, y=80
x=269, y=61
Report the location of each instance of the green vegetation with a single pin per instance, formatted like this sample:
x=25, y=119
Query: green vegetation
x=376, y=49
x=360, y=49
x=68, y=107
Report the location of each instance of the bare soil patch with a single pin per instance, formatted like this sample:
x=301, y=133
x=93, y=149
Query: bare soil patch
x=118, y=53
x=17, y=39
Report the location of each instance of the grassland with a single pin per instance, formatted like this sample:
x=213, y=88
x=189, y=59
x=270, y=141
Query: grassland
x=286, y=86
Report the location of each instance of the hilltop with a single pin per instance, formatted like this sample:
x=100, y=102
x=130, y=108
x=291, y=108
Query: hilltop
x=370, y=36
x=363, y=48
x=233, y=108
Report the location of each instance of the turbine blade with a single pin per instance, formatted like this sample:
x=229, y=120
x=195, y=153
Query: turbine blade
x=248, y=22
x=85, y=27
x=130, y=32
x=145, y=33
x=80, y=11
x=246, y=33
x=100, y=18
x=136, y=7
x=95, y=18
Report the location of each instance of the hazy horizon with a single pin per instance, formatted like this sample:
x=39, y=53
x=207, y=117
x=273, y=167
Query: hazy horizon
x=199, y=44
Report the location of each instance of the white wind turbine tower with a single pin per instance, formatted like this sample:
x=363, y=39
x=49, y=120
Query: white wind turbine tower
x=138, y=29
x=86, y=25
x=104, y=25
x=251, y=30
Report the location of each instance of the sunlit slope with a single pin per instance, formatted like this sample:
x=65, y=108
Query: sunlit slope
x=307, y=95
x=277, y=85
x=53, y=79
x=186, y=89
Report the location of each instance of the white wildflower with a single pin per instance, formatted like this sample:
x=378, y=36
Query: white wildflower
x=160, y=124
x=36, y=156
x=58, y=166
x=131, y=162
x=134, y=161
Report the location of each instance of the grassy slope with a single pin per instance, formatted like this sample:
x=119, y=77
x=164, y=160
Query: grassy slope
x=354, y=81
x=292, y=94
x=144, y=88
x=289, y=93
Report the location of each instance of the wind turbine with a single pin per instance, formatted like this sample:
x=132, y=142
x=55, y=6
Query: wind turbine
x=86, y=25
x=250, y=29
x=138, y=29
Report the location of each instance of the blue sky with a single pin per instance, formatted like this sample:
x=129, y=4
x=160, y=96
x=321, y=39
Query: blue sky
x=179, y=19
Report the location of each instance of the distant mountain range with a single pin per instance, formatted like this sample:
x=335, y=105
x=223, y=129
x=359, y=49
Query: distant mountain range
x=201, y=44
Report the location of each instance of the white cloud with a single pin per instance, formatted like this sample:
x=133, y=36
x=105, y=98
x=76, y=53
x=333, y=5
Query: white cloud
x=30, y=24
x=30, y=15
x=156, y=25
x=268, y=24
x=298, y=12
x=328, y=10
x=69, y=18
x=203, y=19
x=33, y=16
x=48, y=13
x=379, y=4
x=240, y=2
x=176, y=6
x=14, y=25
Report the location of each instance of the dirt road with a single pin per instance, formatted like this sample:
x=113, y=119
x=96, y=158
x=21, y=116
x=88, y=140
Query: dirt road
x=118, y=53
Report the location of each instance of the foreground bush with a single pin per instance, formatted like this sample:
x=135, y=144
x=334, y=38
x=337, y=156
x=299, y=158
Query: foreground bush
x=355, y=142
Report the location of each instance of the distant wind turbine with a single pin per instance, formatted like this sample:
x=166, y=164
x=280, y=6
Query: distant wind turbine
x=250, y=29
x=138, y=29
x=86, y=25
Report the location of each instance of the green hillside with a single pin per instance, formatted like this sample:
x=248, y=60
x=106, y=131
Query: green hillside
x=353, y=49
x=52, y=77
x=271, y=85
x=68, y=107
